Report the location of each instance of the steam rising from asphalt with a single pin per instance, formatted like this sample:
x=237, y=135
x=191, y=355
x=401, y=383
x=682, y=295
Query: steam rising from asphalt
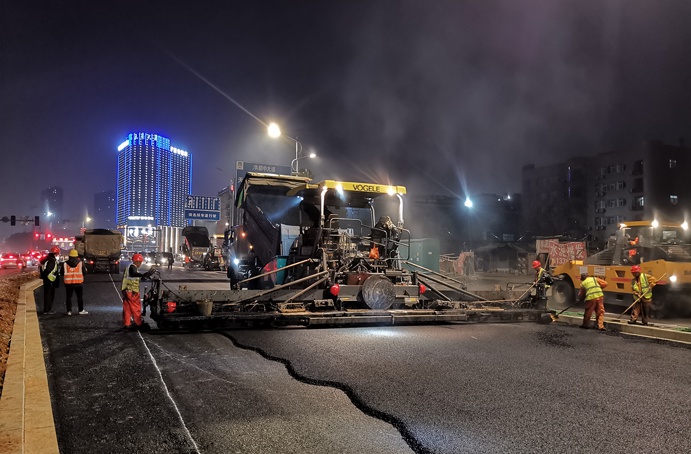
x=447, y=97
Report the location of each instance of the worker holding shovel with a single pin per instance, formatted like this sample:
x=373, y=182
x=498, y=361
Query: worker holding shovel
x=642, y=285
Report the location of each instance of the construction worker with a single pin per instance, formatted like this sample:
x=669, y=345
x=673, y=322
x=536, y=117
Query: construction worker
x=642, y=285
x=541, y=274
x=73, y=276
x=542, y=280
x=131, y=305
x=591, y=293
x=49, y=272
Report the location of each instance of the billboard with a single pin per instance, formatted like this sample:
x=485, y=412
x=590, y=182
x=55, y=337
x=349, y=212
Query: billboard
x=242, y=167
x=203, y=208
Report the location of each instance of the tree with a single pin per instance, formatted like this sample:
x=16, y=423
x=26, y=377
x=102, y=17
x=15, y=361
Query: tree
x=20, y=242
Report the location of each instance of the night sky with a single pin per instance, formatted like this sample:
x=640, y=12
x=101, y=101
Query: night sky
x=441, y=96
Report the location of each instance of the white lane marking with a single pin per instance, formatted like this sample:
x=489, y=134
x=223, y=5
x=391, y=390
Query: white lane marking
x=165, y=387
x=160, y=376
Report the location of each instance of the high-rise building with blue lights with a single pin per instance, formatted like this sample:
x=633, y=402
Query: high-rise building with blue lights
x=153, y=182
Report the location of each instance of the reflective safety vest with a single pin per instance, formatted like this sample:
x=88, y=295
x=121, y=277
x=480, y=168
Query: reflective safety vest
x=642, y=286
x=592, y=288
x=73, y=275
x=53, y=273
x=130, y=284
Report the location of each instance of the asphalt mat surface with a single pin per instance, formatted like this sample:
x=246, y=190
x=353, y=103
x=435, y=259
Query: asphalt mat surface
x=442, y=388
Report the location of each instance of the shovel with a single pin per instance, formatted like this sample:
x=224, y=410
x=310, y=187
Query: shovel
x=556, y=316
x=640, y=297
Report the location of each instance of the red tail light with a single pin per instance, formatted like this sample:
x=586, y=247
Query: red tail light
x=422, y=289
x=335, y=289
x=171, y=306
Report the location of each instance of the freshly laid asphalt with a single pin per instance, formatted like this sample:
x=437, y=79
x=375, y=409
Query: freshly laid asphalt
x=441, y=388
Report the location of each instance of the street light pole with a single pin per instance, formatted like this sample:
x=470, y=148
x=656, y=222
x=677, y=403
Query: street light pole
x=469, y=205
x=275, y=131
x=294, y=165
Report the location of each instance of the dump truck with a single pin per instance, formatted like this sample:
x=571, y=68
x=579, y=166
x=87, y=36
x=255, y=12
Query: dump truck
x=100, y=250
x=661, y=250
x=196, y=246
x=326, y=253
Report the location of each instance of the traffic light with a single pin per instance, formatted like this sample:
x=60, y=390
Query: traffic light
x=13, y=220
x=36, y=221
x=36, y=235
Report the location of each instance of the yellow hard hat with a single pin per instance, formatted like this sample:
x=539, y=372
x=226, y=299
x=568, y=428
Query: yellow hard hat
x=74, y=253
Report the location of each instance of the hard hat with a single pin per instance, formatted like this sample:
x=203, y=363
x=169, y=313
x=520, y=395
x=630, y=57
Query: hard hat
x=74, y=253
x=536, y=264
x=55, y=250
x=137, y=258
x=635, y=269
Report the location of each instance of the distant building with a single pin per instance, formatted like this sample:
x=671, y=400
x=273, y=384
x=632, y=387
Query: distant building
x=227, y=203
x=52, y=202
x=555, y=197
x=103, y=214
x=458, y=227
x=589, y=197
x=153, y=182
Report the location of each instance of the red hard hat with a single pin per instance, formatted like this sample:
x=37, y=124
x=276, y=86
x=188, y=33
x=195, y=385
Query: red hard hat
x=635, y=269
x=55, y=250
x=137, y=258
x=536, y=264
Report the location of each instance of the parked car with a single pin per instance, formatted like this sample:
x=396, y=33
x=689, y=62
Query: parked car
x=12, y=260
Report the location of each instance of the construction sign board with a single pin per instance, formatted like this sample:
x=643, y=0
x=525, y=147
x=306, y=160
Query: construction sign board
x=560, y=253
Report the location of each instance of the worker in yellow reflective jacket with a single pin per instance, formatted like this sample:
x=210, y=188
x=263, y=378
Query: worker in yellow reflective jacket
x=591, y=293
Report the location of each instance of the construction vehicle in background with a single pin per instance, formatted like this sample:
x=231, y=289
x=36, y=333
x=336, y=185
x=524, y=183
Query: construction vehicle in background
x=661, y=250
x=100, y=250
x=196, y=246
x=325, y=253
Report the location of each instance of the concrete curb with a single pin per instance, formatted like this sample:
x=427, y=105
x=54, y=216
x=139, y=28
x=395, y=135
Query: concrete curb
x=654, y=330
x=26, y=415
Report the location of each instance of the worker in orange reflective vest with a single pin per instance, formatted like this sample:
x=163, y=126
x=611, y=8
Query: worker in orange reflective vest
x=73, y=276
x=591, y=292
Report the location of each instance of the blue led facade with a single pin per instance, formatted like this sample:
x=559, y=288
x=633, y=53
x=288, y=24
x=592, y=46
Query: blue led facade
x=153, y=181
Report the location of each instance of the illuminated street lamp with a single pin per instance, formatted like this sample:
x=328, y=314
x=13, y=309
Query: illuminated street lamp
x=469, y=204
x=86, y=221
x=275, y=132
